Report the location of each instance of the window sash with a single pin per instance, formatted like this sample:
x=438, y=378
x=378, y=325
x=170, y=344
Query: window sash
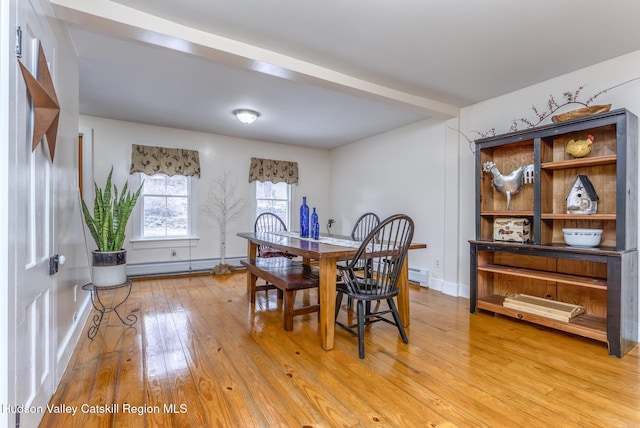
x=286, y=201
x=142, y=231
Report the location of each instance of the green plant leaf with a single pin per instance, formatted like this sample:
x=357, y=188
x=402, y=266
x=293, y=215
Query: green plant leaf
x=111, y=212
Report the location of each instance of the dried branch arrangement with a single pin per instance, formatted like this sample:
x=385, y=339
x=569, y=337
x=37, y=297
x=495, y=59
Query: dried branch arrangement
x=223, y=206
x=552, y=106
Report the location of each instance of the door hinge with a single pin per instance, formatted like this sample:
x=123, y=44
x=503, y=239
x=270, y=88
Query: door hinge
x=19, y=42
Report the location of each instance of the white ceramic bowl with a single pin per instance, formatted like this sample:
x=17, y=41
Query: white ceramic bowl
x=582, y=237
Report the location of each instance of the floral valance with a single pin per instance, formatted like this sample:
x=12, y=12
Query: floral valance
x=162, y=160
x=275, y=171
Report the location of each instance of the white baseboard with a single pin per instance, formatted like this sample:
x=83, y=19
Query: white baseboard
x=449, y=288
x=178, y=267
x=464, y=291
x=204, y=265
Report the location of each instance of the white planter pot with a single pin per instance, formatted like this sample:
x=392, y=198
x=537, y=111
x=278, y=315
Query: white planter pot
x=109, y=268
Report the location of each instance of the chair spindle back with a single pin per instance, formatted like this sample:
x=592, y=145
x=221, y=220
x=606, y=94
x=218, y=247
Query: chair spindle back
x=384, y=250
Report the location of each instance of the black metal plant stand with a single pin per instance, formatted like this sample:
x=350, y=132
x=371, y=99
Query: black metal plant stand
x=97, y=303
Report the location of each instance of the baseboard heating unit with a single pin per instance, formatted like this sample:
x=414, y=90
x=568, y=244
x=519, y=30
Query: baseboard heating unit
x=419, y=276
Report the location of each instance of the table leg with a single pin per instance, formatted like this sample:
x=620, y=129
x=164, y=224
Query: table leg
x=327, y=293
x=252, y=251
x=251, y=286
x=403, y=295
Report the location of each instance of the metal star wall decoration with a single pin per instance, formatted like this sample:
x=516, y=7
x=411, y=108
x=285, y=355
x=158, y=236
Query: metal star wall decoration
x=45, y=103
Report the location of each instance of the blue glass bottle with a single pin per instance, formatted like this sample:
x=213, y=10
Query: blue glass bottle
x=316, y=231
x=314, y=224
x=304, y=218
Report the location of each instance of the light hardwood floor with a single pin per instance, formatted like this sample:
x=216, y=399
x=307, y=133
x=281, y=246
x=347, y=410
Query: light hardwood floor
x=200, y=346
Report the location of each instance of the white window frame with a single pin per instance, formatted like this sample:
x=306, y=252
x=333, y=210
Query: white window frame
x=287, y=221
x=191, y=239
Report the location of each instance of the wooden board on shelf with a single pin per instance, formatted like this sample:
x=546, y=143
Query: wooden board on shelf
x=510, y=213
x=582, y=162
x=578, y=217
x=548, y=308
x=542, y=275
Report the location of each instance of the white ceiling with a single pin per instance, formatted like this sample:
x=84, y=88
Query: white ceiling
x=326, y=73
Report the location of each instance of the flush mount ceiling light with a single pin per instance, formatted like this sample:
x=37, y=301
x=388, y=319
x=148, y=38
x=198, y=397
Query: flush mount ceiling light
x=246, y=116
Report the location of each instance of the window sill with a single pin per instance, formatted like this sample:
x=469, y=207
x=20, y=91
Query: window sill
x=150, y=243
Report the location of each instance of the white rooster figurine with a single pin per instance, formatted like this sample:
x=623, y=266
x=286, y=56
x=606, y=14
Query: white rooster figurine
x=509, y=184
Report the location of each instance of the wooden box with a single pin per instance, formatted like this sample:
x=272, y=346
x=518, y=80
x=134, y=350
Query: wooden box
x=547, y=308
x=512, y=229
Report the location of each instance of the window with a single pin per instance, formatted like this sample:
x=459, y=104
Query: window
x=165, y=206
x=275, y=198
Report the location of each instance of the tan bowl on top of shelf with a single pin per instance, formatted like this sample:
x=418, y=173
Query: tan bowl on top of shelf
x=585, y=238
x=581, y=112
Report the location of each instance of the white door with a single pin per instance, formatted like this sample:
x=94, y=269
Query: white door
x=31, y=198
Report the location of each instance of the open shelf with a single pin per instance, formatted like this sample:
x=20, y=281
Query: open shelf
x=597, y=191
x=583, y=325
x=504, y=213
x=581, y=162
x=578, y=217
x=547, y=276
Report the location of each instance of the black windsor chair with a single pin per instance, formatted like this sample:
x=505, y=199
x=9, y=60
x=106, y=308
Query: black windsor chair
x=364, y=225
x=384, y=251
x=270, y=222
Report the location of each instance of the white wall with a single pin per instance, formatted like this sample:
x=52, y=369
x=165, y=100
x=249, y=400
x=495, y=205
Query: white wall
x=401, y=171
x=112, y=146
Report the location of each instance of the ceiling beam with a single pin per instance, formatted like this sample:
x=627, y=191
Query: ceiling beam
x=120, y=21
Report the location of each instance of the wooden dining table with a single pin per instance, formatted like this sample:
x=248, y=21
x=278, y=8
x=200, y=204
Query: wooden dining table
x=327, y=252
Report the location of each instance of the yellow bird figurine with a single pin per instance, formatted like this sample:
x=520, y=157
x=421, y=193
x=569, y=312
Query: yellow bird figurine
x=579, y=148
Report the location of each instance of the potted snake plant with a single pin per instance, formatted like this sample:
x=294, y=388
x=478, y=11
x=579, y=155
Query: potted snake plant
x=111, y=212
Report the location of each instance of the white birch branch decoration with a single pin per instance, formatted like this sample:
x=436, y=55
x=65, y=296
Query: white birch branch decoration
x=223, y=207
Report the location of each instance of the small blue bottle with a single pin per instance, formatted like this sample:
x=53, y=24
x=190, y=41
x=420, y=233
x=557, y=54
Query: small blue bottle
x=304, y=218
x=314, y=224
x=316, y=231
